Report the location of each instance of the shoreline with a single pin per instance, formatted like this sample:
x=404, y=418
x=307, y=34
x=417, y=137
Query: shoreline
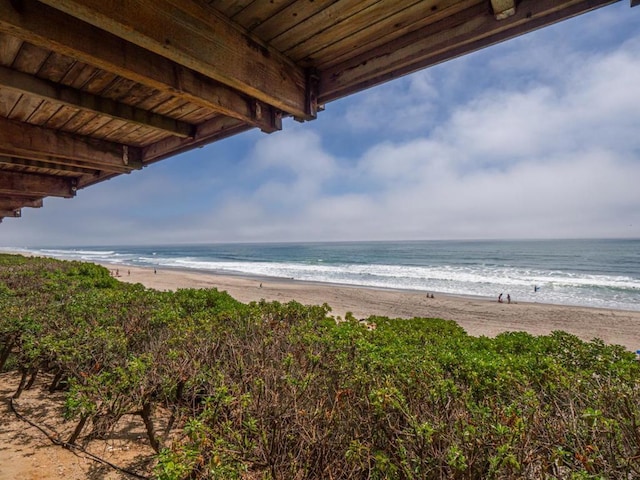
x=538, y=299
x=477, y=315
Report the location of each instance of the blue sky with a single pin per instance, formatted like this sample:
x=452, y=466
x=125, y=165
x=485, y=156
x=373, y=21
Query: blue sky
x=537, y=137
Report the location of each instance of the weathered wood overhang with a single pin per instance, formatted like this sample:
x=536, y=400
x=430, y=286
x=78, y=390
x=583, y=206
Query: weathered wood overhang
x=91, y=89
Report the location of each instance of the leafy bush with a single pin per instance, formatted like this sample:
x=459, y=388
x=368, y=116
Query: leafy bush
x=279, y=391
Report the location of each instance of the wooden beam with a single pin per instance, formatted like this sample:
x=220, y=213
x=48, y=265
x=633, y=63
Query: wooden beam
x=23, y=83
x=203, y=40
x=38, y=143
x=503, y=8
x=15, y=183
x=459, y=34
x=13, y=202
x=211, y=131
x=15, y=213
x=49, y=28
x=48, y=165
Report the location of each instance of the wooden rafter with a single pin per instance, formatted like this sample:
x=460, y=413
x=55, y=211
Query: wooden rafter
x=52, y=29
x=14, y=183
x=23, y=83
x=38, y=143
x=11, y=203
x=503, y=8
x=463, y=32
x=62, y=168
x=91, y=89
x=211, y=131
x=14, y=212
x=200, y=39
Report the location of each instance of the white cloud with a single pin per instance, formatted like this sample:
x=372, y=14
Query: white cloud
x=405, y=106
x=553, y=160
x=545, y=144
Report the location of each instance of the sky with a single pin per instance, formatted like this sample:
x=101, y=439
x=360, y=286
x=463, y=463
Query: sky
x=537, y=137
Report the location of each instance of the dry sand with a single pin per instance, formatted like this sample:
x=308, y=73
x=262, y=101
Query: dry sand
x=26, y=453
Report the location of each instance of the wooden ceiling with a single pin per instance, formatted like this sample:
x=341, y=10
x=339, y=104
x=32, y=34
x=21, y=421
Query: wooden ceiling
x=91, y=89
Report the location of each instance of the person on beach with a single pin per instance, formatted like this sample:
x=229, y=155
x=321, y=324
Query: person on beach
x=508, y=298
x=500, y=298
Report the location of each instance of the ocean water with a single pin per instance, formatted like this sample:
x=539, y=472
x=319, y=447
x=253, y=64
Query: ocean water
x=594, y=273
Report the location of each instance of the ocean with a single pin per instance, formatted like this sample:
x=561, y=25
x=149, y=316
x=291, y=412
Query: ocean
x=593, y=273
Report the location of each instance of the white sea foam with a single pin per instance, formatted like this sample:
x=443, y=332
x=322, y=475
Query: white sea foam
x=475, y=278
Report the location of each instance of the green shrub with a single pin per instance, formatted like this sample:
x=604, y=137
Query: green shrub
x=277, y=391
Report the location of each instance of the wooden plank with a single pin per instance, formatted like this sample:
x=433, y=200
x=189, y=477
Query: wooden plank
x=503, y=8
x=42, y=89
x=90, y=127
x=50, y=28
x=9, y=202
x=183, y=110
x=78, y=120
x=30, y=58
x=293, y=15
x=456, y=35
x=9, y=48
x=24, y=108
x=153, y=101
x=253, y=15
x=149, y=138
x=15, y=213
x=197, y=37
x=44, y=165
x=8, y=100
x=137, y=94
x=79, y=75
x=61, y=117
x=56, y=165
x=13, y=183
x=132, y=136
x=99, y=82
x=27, y=141
x=56, y=67
x=198, y=116
x=335, y=13
x=118, y=89
x=170, y=105
x=348, y=27
x=43, y=113
x=230, y=8
x=216, y=129
x=417, y=16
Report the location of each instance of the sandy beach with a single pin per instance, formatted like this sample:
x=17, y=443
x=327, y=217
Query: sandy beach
x=476, y=316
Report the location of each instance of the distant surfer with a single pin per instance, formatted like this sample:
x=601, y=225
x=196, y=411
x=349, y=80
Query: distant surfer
x=500, y=298
x=535, y=288
x=508, y=298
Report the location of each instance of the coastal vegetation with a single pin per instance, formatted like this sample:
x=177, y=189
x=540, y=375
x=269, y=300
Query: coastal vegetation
x=283, y=391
